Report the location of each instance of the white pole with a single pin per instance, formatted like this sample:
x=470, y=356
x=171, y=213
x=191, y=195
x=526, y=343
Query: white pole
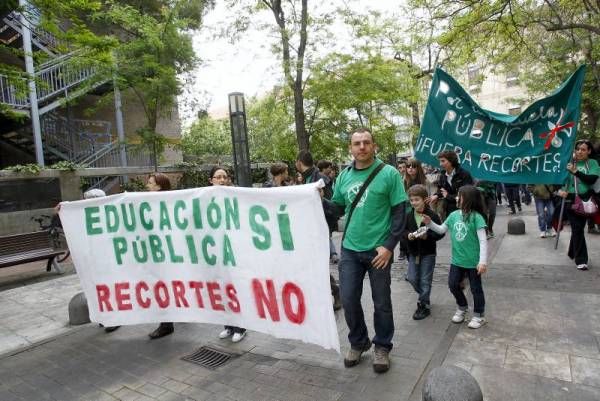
x=29, y=68
x=120, y=128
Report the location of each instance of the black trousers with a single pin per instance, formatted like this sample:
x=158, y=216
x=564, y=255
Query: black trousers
x=335, y=289
x=236, y=329
x=512, y=193
x=491, y=213
x=456, y=275
x=577, y=245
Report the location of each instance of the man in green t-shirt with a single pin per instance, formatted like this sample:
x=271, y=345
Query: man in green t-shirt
x=370, y=237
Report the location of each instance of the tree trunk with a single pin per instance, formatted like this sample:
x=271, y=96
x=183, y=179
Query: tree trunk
x=295, y=84
x=416, y=122
x=302, y=136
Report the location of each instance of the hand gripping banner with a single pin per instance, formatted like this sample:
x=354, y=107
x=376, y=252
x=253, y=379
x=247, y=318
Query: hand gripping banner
x=253, y=258
x=531, y=148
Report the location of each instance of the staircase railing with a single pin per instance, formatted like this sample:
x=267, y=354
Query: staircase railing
x=12, y=96
x=40, y=37
x=56, y=77
x=60, y=77
x=110, y=156
x=79, y=139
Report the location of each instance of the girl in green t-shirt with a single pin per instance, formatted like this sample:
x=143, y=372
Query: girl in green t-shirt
x=469, y=252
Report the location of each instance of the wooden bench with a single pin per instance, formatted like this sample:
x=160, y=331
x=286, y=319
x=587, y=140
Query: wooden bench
x=29, y=247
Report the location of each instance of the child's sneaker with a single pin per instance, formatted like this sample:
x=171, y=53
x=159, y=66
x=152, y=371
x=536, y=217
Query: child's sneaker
x=225, y=333
x=459, y=316
x=476, y=322
x=237, y=337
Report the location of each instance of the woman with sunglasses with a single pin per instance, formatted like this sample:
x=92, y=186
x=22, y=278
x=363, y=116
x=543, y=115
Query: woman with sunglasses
x=415, y=175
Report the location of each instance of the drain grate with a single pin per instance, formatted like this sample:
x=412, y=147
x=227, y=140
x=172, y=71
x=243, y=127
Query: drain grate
x=209, y=357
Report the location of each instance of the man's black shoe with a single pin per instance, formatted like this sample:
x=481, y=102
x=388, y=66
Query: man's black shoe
x=422, y=312
x=161, y=331
x=402, y=255
x=110, y=329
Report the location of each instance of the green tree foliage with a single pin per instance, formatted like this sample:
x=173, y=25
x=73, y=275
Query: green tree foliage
x=370, y=91
x=270, y=121
x=207, y=140
x=144, y=44
x=543, y=41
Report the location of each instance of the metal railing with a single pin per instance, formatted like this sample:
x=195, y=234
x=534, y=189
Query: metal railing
x=55, y=78
x=58, y=78
x=12, y=96
x=79, y=139
x=43, y=38
x=110, y=156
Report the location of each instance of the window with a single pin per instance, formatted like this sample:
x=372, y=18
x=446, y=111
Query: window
x=474, y=79
x=473, y=74
x=512, y=78
x=514, y=110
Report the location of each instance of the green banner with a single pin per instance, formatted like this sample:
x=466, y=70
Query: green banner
x=531, y=148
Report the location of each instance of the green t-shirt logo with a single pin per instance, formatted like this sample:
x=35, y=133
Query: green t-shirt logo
x=460, y=231
x=353, y=191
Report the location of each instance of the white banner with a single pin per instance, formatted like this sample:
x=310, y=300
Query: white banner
x=253, y=258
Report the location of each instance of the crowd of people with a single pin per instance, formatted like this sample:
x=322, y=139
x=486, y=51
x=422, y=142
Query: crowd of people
x=413, y=206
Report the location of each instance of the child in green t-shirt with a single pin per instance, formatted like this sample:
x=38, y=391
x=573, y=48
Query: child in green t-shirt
x=469, y=252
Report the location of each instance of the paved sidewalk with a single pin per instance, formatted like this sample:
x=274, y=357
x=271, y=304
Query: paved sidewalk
x=541, y=342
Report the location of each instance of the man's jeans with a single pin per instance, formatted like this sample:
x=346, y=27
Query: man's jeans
x=544, y=218
x=420, y=275
x=352, y=267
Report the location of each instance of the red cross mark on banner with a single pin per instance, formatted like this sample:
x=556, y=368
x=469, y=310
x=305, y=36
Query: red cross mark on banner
x=549, y=136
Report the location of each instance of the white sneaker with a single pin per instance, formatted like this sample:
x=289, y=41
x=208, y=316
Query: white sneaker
x=237, y=337
x=225, y=333
x=551, y=232
x=476, y=322
x=543, y=234
x=459, y=316
x=582, y=266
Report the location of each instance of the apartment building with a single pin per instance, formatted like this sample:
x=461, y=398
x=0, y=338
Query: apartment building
x=499, y=92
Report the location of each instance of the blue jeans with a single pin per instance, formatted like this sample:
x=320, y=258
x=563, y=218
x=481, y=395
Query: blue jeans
x=457, y=274
x=352, y=267
x=420, y=275
x=544, y=218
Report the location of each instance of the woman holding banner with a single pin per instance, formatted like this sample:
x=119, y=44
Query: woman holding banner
x=160, y=182
x=584, y=172
x=218, y=176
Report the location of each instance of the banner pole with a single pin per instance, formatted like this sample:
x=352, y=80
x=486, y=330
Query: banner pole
x=560, y=222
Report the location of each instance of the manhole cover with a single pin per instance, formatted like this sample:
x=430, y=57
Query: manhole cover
x=208, y=357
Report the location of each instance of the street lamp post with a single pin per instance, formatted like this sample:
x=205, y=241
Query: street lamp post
x=239, y=138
